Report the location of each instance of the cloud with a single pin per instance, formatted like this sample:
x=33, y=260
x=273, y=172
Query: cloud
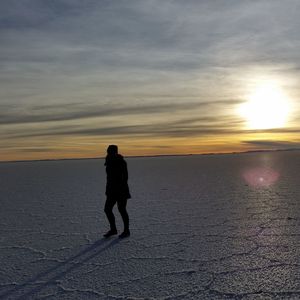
x=77, y=111
x=135, y=35
x=185, y=127
x=271, y=144
x=276, y=130
x=138, y=45
x=38, y=150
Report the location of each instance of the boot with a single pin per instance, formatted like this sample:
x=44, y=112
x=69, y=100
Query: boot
x=124, y=234
x=110, y=233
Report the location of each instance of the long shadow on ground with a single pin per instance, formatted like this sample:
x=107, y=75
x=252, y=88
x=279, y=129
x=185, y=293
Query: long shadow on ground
x=57, y=272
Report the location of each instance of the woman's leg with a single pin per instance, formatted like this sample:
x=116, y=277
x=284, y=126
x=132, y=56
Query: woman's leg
x=122, y=209
x=109, y=204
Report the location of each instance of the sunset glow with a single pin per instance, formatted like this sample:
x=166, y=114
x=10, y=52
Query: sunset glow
x=154, y=77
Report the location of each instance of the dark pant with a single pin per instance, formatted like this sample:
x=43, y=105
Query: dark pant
x=109, y=204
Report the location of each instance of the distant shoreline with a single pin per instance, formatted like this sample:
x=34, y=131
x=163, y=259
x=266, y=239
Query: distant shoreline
x=158, y=155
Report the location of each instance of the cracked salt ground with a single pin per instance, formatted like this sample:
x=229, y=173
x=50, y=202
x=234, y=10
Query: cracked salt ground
x=199, y=230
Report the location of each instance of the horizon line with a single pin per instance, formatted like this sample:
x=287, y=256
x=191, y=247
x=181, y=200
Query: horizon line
x=155, y=155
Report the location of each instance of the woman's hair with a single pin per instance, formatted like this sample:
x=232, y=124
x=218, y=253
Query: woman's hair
x=112, y=149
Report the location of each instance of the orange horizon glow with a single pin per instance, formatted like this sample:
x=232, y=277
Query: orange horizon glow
x=144, y=149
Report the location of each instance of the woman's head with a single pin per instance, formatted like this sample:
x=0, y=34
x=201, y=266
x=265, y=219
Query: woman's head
x=112, y=150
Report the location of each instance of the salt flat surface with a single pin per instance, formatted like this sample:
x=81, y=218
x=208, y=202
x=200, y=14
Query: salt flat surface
x=203, y=227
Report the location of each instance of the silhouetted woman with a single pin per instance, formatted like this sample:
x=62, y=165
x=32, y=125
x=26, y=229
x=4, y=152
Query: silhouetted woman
x=117, y=190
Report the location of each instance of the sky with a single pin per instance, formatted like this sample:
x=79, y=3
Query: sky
x=154, y=77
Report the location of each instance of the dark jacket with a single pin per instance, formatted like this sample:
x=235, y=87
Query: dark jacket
x=117, y=177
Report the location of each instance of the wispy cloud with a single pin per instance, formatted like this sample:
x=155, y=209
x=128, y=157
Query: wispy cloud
x=77, y=111
x=271, y=144
x=187, y=127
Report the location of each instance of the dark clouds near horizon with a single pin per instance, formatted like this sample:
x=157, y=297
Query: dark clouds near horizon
x=140, y=64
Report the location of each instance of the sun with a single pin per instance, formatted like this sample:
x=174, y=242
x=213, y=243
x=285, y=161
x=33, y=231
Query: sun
x=267, y=107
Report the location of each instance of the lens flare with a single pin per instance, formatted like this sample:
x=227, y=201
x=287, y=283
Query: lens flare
x=261, y=177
